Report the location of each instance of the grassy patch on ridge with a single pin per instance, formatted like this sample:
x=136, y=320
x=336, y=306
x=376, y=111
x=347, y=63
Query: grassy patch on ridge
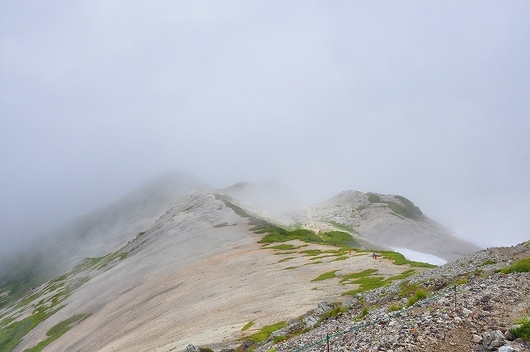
x=325, y=276
x=58, y=330
x=520, y=266
x=277, y=234
x=266, y=331
x=399, y=259
x=406, y=209
x=58, y=289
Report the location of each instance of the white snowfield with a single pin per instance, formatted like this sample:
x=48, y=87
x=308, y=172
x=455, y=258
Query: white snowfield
x=420, y=257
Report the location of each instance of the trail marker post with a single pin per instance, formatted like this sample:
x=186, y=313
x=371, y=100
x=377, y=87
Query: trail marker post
x=454, y=287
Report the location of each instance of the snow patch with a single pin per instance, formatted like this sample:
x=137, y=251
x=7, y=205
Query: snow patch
x=420, y=257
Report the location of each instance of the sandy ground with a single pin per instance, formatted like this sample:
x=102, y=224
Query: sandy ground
x=208, y=301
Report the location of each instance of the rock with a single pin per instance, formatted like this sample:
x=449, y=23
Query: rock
x=467, y=311
x=191, y=348
x=506, y=348
x=476, y=338
x=323, y=307
x=310, y=321
x=245, y=345
x=509, y=336
x=494, y=339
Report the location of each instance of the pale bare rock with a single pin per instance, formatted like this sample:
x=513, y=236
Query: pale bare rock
x=197, y=274
x=193, y=282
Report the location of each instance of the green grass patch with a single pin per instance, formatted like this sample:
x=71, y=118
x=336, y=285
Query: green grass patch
x=229, y=203
x=247, y=326
x=488, y=262
x=58, y=330
x=12, y=334
x=523, y=330
x=353, y=276
x=339, y=238
x=325, y=276
x=461, y=281
x=285, y=259
x=284, y=253
x=58, y=290
x=315, y=262
x=406, y=289
x=419, y=294
x=266, y=331
x=338, y=310
x=311, y=252
x=399, y=259
x=279, y=339
x=367, y=284
x=290, y=268
x=370, y=283
x=520, y=266
x=340, y=258
x=404, y=207
x=275, y=233
x=323, y=256
x=284, y=247
x=394, y=307
x=373, y=198
x=361, y=315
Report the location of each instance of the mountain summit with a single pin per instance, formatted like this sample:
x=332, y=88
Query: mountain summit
x=163, y=268
x=385, y=221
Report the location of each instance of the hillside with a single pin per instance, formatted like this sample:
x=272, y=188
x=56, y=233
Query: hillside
x=377, y=221
x=94, y=234
x=199, y=273
x=478, y=303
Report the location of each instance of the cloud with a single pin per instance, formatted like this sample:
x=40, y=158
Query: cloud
x=427, y=100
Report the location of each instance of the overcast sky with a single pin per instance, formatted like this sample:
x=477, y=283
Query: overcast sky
x=426, y=99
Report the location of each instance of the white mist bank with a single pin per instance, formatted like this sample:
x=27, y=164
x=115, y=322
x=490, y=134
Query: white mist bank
x=420, y=257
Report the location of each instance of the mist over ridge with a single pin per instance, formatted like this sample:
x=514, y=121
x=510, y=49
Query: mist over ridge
x=424, y=100
x=175, y=249
x=108, y=227
x=386, y=124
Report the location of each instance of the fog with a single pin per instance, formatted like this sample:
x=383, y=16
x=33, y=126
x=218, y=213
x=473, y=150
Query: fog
x=428, y=100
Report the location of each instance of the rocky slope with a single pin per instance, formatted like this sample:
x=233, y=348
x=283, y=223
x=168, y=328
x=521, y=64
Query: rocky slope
x=470, y=306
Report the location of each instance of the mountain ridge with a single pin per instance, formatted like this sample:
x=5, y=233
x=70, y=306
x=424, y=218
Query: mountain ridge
x=197, y=251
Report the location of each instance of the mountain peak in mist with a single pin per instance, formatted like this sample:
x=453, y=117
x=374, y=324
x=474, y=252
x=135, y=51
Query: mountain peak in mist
x=269, y=196
x=175, y=244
